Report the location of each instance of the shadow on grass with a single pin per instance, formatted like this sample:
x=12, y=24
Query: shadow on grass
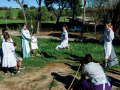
x=75, y=68
x=115, y=82
x=66, y=80
x=112, y=71
x=19, y=52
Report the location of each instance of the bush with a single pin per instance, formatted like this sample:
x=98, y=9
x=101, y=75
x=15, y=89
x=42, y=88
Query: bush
x=1, y=17
x=71, y=14
x=20, y=14
x=32, y=7
x=8, y=14
x=53, y=18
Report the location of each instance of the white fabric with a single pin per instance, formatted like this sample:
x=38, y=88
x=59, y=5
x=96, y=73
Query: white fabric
x=34, y=43
x=27, y=36
x=64, y=42
x=26, y=33
x=9, y=59
x=3, y=40
x=108, y=42
x=95, y=73
x=27, y=46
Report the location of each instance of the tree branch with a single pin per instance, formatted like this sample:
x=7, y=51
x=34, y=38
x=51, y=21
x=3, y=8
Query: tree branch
x=37, y=2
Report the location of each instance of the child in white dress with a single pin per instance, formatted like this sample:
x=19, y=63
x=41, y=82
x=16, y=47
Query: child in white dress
x=9, y=61
x=64, y=43
x=4, y=31
x=34, y=45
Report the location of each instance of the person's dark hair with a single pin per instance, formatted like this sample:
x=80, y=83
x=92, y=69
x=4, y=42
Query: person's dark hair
x=66, y=27
x=88, y=58
x=34, y=32
x=23, y=25
x=14, y=44
x=3, y=30
x=6, y=35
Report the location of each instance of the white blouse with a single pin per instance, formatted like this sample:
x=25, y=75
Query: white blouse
x=95, y=73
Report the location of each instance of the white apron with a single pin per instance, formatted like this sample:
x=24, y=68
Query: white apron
x=33, y=43
x=9, y=59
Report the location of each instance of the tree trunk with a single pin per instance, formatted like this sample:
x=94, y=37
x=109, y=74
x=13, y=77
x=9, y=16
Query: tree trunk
x=57, y=20
x=39, y=16
x=24, y=15
x=73, y=14
x=83, y=18
x=95, y=29
x=116, y=13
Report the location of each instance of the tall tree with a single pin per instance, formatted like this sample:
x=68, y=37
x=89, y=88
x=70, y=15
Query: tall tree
x=83, y=16
x=50, y=4
x=75, y=5
x=39, y=14
x=21, y=3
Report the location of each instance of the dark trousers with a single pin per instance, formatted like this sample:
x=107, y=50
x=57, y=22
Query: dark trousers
x=6, y=68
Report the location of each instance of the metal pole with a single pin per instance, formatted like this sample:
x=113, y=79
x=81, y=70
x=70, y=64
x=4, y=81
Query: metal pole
x=31, y=23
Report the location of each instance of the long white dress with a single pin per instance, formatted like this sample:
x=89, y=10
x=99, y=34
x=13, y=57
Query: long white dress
x=107, y=42
x=64, y=42
x=108, y=48
x=3, y=40
x=8, y=55
x=26, y=34
x=34, y=43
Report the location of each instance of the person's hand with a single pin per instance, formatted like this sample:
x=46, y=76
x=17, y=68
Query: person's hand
x=17, y=57
x=106, y=34
x=35, y=41
x=32, y=38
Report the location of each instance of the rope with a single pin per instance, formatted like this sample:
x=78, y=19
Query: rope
x=74, y=78
x=94, y=49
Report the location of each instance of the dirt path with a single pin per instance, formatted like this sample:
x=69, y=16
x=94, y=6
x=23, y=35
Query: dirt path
x=52, y=77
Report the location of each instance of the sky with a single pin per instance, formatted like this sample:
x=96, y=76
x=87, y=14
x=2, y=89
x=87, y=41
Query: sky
x=16, y=5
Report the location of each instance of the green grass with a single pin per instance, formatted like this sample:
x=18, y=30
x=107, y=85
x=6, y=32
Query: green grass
x=47, y=47
x=62, y=19
x=3, y=21
x=14, y=12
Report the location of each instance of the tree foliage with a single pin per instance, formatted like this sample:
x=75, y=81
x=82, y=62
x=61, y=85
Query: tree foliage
x=8, y=14
x=32, y=7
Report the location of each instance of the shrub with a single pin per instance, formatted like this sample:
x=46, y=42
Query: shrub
x=8, y=14
x=20, y=14
x=53, y=18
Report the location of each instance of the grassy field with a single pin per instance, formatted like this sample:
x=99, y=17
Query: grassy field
x=3, y=21
x=77, y=51
x=14, y=12
x=47, y=47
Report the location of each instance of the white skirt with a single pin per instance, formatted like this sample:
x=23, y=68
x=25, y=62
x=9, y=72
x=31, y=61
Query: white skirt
x=34, y=45
x=63, y=44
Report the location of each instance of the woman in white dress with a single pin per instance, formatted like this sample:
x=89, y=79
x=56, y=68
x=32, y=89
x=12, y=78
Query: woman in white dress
x=9, y=61
x=34, y=45
x=109, y=54
x=64, y=43
x=25, y=36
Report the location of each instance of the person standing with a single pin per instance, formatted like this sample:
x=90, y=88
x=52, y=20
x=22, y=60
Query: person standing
x=25, y=36
x=109, y=53
x=34, y=45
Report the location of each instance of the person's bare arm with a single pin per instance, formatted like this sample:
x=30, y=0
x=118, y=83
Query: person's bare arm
x=65, y=39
